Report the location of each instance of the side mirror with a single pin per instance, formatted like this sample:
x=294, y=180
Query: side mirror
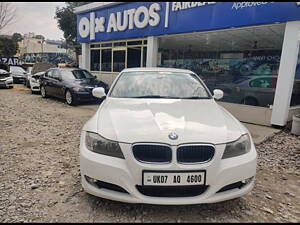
x=99, y=92
x=218, y=94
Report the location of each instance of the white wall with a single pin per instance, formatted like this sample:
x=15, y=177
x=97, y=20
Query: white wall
x=152, y=51
x=286, y=74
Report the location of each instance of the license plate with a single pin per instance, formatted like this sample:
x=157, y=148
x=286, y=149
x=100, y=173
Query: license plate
x=173, y=178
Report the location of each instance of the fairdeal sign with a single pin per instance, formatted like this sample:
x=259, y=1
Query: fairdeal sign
x=142, y=19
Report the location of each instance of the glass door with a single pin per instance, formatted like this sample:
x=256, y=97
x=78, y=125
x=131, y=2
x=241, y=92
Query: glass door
x=119, y=59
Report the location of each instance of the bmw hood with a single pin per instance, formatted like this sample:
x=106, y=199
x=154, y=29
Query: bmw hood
x=152, y=120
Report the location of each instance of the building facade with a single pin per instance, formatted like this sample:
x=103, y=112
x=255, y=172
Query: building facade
x=31, y=44
x=250, y=50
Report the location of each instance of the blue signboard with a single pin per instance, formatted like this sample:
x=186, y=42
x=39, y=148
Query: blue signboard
x=142, y=19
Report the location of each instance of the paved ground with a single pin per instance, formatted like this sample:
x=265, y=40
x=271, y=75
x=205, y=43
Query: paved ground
x=261, y=133
x=40, y=177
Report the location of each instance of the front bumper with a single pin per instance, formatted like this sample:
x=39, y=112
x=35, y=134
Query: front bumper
x=128, y=173
x=85, y=97
x=34, y=86
x=8, y=82
x=19, y=79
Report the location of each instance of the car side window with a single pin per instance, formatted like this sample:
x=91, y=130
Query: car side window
x=48, y=74
x=261, y=83
x=55, y=74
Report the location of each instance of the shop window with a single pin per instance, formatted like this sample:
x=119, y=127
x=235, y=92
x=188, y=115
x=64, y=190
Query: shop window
x=134, y=43
x=106, y=45
x=295, y=100
x=115, y=56
x=244, y=63
x=118, y=60
x=117, y=44
x=95, y=46
x=144, y=56
x=134, y=57
x=106, y=60
x=95, y=60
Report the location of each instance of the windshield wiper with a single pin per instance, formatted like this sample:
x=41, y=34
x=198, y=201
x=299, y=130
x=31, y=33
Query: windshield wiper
x=195, y=97
x=153, y=96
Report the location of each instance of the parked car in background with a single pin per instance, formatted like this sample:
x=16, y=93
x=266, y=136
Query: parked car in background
x=18, y=74
x=72, y=84
x=159, y=137
x=250, y=90
x=35, y=82
x=6, y=79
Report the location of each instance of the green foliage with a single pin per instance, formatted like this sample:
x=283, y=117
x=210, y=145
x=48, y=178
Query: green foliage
x=66, y=20
x=8, y=47
x=17, y=37
x=4, y=66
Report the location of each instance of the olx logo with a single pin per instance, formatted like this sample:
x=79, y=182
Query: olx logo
x=132, y=18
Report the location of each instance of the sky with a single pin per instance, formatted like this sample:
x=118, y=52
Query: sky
x=37, y=17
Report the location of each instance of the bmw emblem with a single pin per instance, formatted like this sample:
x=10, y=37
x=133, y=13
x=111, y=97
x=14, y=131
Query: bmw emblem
x=173, y=136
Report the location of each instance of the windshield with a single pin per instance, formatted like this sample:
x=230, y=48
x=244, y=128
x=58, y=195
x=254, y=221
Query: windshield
x=76, y=74
x=17, y=69
x=159, y=85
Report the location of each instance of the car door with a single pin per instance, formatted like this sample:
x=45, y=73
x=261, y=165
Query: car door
x=58, y=87
x=263, y=90
x=47, y=82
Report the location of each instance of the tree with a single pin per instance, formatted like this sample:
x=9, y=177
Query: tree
x=17, y=37
x=67, y=22
x=8, y=47
x=4, y=66
x=7, y=14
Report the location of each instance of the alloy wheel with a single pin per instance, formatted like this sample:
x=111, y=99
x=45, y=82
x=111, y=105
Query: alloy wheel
x=69, y=98
x=43, y=92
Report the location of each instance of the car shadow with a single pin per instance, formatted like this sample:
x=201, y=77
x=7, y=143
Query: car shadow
x=183, y=213
x=95, y=102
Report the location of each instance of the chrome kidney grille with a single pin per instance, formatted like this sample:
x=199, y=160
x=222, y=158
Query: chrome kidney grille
x=159, y=153
x=152, y=153
x=195, y=153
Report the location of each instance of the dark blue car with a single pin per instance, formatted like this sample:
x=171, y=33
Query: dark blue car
x=72, y=84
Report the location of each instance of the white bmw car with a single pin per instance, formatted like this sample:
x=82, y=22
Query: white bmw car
x=159, y=137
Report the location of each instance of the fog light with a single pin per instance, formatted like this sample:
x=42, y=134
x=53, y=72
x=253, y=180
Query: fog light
x=247, y=181
x=91, y=180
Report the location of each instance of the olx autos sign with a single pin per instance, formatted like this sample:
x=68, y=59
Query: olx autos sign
x=135, y=18
x=142, y=19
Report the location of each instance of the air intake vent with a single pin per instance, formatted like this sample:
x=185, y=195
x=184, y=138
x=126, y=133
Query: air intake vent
x=172, y=191
x=152, y=153
x=195, y=153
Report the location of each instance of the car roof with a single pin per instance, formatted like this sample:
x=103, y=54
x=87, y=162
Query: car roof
x=156, y=69
x=66, y=68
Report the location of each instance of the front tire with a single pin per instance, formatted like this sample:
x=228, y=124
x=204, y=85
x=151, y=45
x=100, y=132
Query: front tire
x=70, y=98
x=28, y=84
x=43, y=92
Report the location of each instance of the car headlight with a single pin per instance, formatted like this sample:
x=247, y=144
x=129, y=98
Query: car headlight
x=34, y=80
x=238, y=147
x=98, y=144
x=78, y=89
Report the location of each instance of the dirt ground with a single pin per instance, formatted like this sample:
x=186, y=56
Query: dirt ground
x=40, y=176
